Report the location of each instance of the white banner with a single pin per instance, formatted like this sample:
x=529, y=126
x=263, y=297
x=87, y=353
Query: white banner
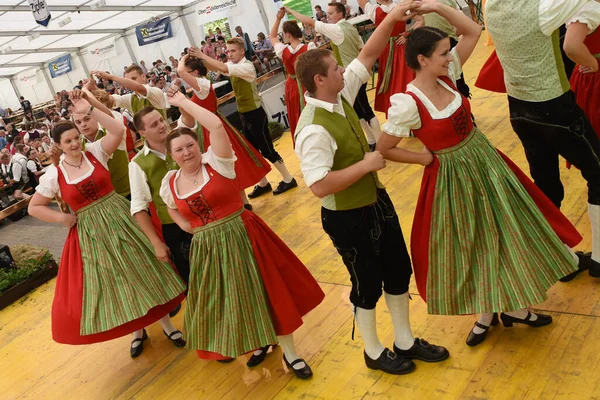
x=273, y=101
x=28, y=79
x=212, y=10
x=103, y=50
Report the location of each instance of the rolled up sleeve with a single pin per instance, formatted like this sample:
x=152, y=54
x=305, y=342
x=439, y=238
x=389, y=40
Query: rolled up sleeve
x=316, y=150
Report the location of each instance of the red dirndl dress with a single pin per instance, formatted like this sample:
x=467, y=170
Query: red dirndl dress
x=587, y=86
x=68, y=296
x=491, y=76
x=225, y=231
x=398, y=73
x=294, y=92
x=250, y=166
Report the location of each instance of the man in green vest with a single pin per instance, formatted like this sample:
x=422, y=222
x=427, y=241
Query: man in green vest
x=146, y=172
x=144, y=95
x=242, y=74
x=346, y=44
x=91, y=131
x=543, y=110
x=357, y=212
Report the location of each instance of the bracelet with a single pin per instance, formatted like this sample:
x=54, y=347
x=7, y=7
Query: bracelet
x=90, y=112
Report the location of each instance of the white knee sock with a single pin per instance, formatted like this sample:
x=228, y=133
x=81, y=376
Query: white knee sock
x=244, y=197
x=287, y=345
x=370, y=136
x=263, y=182
x=484, y=319
x=594, y=214
x=366, y=320
x=168, y=327
x=137, y=335
x=285, y=174
x=398, y=306
x=375, y=128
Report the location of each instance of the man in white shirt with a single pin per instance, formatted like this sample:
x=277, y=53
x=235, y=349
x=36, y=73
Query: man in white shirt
x=18, y=170
x=357, y=212
x=254, y=119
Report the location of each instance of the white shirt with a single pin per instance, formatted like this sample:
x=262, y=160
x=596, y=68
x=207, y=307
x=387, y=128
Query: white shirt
x=141, y=195
x=224, y=167
x=371, y=9
x=32, y=166
x=48, y=185
x=315, y=147
x=243, y=69
x=589, y=15
x=333, y=31
x=153, y=94
x=204, y=85
x=280, y=47
x=19, y=168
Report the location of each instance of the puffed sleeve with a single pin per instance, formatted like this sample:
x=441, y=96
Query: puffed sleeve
x=165, y=191
x=48, y=185
x=224, y=166
x=403, y=116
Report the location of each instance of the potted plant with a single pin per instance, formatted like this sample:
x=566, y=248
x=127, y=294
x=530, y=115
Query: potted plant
x=33, y=266
x=275, y=129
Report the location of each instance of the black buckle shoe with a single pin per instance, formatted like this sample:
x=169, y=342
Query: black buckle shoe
x=248, y=207
x=302, y=373
x=179, y=342
x=424, y=351
x=259, y=191
x=585, y=262
x=390, y=363
x=175, y=311
x=475, y=338
x=542, y=320
x=255, y=360
x=137, y=350
x=594, y=269
x=284, y=187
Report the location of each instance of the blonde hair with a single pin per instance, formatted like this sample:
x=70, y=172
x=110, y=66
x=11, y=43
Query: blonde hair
x=237, y=42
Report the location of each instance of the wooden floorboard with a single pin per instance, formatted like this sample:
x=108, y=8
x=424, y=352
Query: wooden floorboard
x=558, y=361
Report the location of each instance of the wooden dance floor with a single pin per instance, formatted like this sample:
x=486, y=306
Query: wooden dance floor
x=557, y=361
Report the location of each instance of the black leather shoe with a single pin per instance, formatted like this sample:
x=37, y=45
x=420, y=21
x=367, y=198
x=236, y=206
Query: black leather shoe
x=594, y=269
x=372, y=147
x=424, y=351
x=226, y=361
x=137, y=350
x=175, y=311
x=259, y=191
x=254, y=360
x=542, y=320
x=390, y=363
x=179, y=342
x=302, y=373
x=585, y=261
x=475, y=338
x=248, y=207
x=284, y=187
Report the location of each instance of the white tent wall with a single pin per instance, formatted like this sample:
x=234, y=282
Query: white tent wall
x=114, y=64
x=8, y=97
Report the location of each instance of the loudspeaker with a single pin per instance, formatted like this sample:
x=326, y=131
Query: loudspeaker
x=6, y=259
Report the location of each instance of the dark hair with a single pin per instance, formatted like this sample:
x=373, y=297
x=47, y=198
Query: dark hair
x=422, y=41
x=293, y=29
x=310, y=64
x=339, y=7
x=179, y=132
x=318, y=7
x=20, y=148
x=196, y=64
x=38, y=125
x=138, y=118
x=60, y=128
x=220, y=38
x=28, y=153
x=261, y=36
x=168, y=68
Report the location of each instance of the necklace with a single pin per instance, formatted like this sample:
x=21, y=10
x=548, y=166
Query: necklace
x=78, y=166
x=195, y=180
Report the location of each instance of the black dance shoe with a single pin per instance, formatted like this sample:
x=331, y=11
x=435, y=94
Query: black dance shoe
x=424, y=351
x=179, y=342
x=390, y=363
x=137, y=350
x=248, y=207
x=373, y=147
x=254, y=360
x=542, y=320
x=284, y=187
x=302, y=373
x=175, y=311
x=594, y=269
x=259, y=191
x=585, y=261
x=475, y=338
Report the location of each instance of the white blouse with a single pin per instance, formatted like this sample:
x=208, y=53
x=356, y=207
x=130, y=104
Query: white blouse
x=589, y=15
x=280, y=47
x=204, y=88
x=48, y=185
x=224, y=166
x=403, y=114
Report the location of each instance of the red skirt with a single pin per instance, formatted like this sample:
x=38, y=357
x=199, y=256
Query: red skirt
x=292, y=291
x=68, y=302
x=587, y=92
x=250, y=166
x=292, y=102
x=401, y=75
x=491, y=76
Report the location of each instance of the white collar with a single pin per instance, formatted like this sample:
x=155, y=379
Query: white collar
x=295, y=50
x=157, y=153
x=323, y=104
x=387, y=8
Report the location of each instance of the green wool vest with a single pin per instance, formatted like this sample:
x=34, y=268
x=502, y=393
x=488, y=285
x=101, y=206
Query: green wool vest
x=533, y=66
x=437, y=21
x=155, y=169
x=351, y=148
x=246, y=93
x=348, y=50
x=118, y=166
x=138, y=103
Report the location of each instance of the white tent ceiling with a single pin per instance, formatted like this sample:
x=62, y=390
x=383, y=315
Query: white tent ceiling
x=21, y=48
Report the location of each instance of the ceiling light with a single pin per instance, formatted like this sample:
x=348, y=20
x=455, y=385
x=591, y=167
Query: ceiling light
x=98, y=4
x=64, y=22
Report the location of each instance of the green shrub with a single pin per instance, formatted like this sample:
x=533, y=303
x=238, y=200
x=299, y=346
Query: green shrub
x=29, y=259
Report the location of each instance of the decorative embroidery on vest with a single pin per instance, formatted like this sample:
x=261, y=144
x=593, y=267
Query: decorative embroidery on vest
x=200, y=207
x=89, y=190
x=461, y=123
